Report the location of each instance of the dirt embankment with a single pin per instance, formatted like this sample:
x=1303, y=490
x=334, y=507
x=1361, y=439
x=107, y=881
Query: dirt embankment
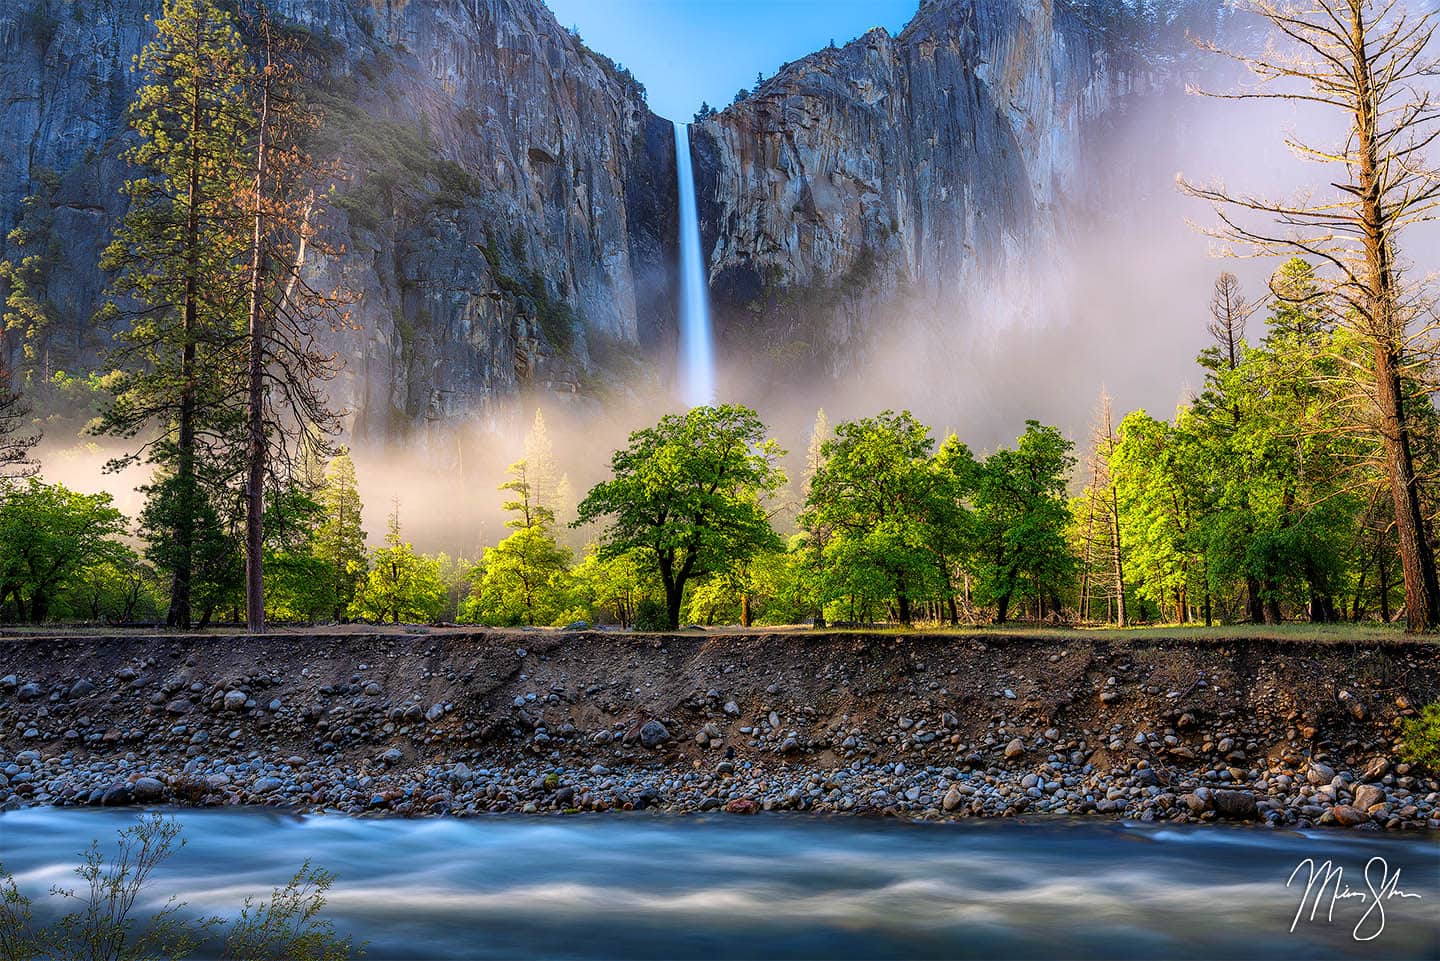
x=382, y=703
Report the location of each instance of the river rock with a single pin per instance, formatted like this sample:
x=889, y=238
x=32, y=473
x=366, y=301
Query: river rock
x=953, y=799
x=1319, y=773
x=1368, y=795
x=235, y=700
x=1014, y=749
x=28, y=692
x=1348, y=816
x=147, y=790
x=653, y=734
x=1237, y=805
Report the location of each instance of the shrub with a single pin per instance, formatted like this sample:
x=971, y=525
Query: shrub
x=650, y=616
x=1422, y=738
x=104, y=926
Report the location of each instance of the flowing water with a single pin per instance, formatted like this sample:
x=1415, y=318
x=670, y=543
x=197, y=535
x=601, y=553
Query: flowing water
x=696, y=378
x=643, y=886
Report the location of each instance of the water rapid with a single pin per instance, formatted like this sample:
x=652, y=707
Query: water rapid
x=592, y=888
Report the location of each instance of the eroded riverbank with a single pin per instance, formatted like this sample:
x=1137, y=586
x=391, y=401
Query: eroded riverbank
x=1290, y=733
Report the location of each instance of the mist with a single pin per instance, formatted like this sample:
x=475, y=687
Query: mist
x=1114, y=299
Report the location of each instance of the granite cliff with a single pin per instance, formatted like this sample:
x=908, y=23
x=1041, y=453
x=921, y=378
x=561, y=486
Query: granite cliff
x=508, y=215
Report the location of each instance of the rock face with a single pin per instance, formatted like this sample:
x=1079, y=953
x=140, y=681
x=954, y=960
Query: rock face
x=508, y=206
x=930, y=162
x=508, y=201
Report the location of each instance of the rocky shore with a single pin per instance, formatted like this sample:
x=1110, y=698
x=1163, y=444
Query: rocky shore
x=455, y=722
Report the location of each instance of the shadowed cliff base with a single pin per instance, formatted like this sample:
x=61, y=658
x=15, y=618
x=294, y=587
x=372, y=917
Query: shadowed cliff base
x=1292, y=731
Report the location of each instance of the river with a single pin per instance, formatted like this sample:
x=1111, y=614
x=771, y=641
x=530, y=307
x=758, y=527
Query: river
x=643, y=886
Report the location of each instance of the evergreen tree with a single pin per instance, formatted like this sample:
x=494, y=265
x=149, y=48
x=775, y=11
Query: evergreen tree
x=339, y=536
x=175, y=264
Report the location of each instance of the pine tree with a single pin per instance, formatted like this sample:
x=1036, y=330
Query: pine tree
x=175, y=261
x=1102, y=562
x=339, y=537
x=542, y=473
x=815, y=453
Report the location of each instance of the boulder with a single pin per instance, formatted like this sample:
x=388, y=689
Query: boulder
x=1368, y=795
x=1347, y=816
x=653, y=734
x=1236, y=805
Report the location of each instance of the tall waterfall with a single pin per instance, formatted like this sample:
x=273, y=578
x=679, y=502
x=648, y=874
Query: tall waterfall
x=696, y=376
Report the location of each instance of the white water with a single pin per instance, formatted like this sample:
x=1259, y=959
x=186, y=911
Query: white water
x=696, y=376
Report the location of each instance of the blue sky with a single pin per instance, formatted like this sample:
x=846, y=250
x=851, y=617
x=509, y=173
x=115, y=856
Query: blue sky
x=686, y=51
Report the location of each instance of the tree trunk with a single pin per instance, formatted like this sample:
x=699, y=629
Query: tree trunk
x=1254, y=606
x=902, y=604
x=674, y=593
x=255, y=445
x=179, y=613
x=1119, y=561
x=745, y=610
x=1417, y=560
x=1002, y=608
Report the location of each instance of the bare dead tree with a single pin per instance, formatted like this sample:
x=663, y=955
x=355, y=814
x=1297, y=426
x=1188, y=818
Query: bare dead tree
x=17, y=441
x=289, y=422
x=1229, y=312
x=1370, y=61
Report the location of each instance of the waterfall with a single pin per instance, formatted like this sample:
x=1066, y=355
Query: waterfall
x=696, y=374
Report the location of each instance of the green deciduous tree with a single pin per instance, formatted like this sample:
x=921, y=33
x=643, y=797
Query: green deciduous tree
x=402, y=585
x=49, y=535
x=689, y=493
x=889, y=507
x=1021, y=515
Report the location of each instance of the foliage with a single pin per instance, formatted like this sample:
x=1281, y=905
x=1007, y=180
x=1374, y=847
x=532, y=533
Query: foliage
x=1021, y=514
x=49, y=536
x=1421, y=737
x=521, y=580
x=891, y=510
x=339, y=538
x=688, y=493
x=402, y=585
x=613, y=588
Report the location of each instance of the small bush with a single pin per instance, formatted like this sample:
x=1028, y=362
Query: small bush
x=650, y=616
x=104, y=927
x=1422, y=738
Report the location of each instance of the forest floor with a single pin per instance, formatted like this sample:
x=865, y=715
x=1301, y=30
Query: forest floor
x=454, y=719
